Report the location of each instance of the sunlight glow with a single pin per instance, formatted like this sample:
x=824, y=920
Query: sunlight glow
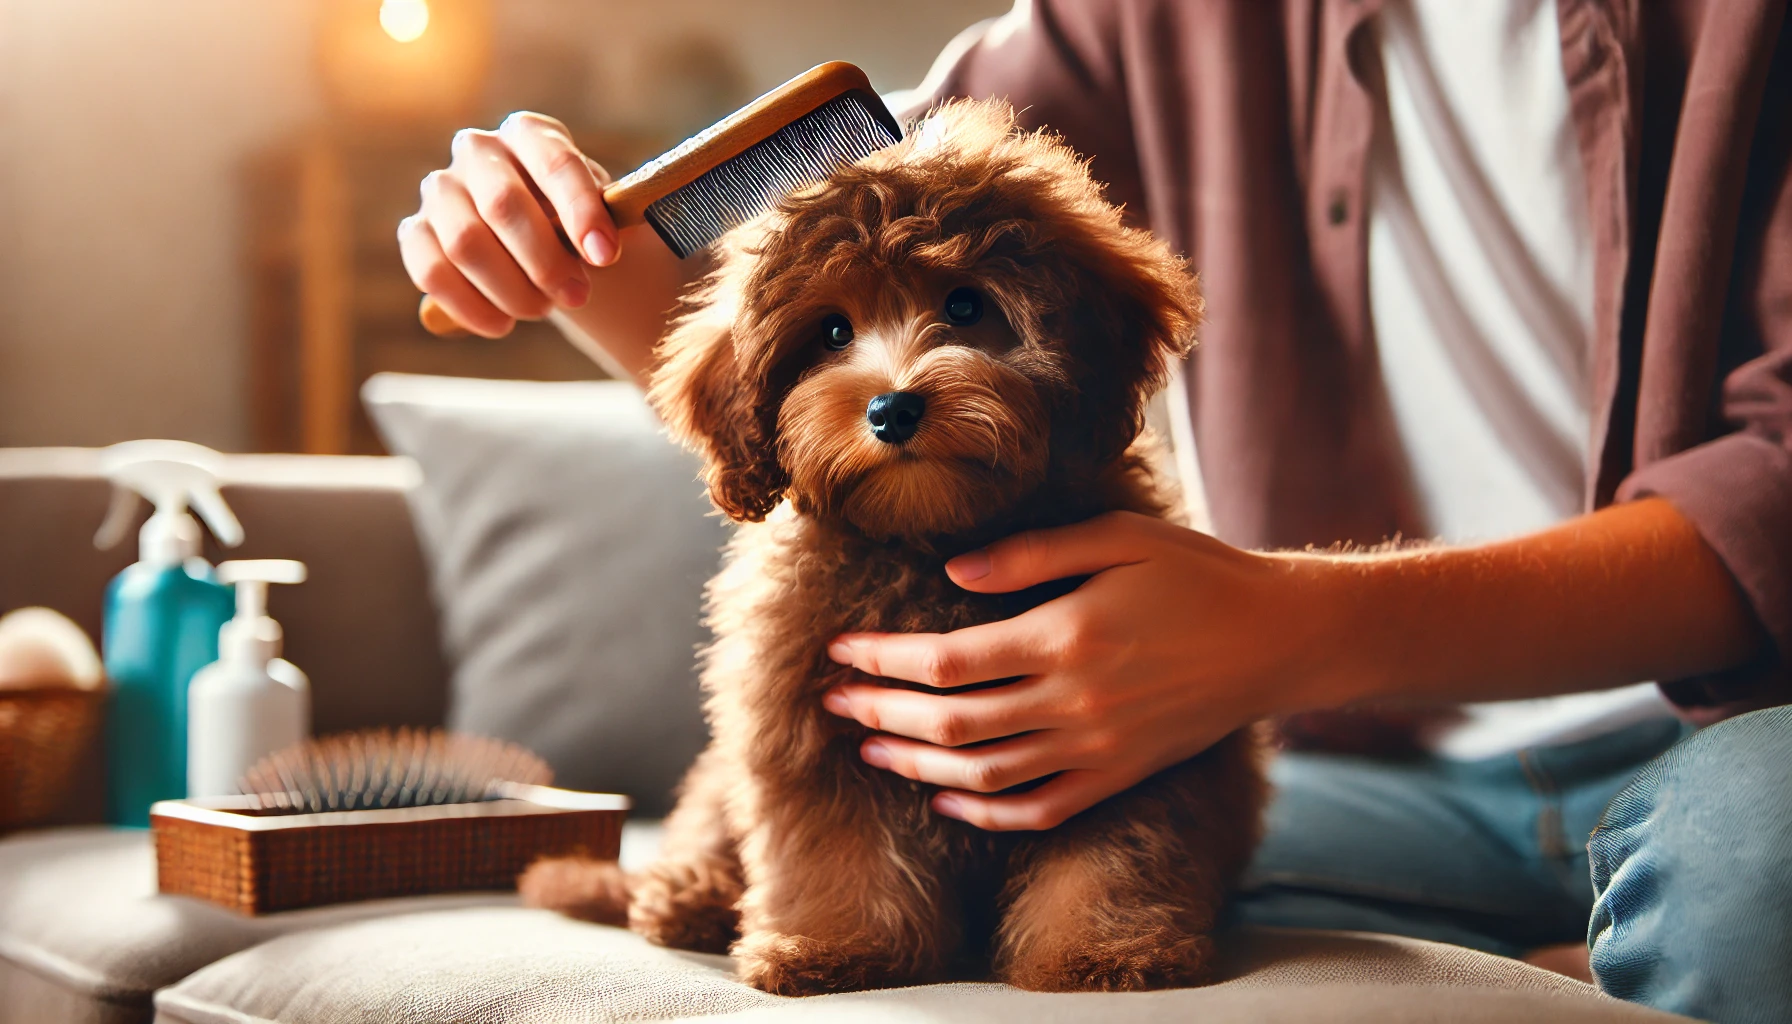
x=404, y=20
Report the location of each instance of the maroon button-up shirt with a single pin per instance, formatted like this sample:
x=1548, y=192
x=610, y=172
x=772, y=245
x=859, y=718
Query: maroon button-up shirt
x=1239, y=131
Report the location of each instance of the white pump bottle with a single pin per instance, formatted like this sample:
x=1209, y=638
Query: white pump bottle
x=250, y=702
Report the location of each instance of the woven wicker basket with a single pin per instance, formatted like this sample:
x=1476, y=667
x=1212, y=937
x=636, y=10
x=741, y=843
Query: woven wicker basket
x=44, y=732
x=220, y=850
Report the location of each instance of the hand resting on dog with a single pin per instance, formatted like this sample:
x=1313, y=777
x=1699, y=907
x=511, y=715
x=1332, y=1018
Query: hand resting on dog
x=1178, y=639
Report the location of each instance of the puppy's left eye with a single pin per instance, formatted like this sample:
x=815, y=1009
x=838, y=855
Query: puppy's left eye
x=836, y=331
x=964, y=306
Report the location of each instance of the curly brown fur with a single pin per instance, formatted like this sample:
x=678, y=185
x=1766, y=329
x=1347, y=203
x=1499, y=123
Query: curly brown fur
x=590, y=890
x=836, y=875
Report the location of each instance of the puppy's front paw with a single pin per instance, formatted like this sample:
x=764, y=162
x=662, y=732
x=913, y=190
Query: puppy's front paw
x=1113, y=966
x=796, y=965
x=686, y=906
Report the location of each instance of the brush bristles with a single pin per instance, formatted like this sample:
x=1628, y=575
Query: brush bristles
x=803, y=152
x=377, y=768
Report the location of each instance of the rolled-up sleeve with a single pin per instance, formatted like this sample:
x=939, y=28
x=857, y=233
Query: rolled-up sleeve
x=1737, y=488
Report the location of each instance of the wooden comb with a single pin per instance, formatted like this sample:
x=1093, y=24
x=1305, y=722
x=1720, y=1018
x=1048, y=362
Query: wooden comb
x=795, y=135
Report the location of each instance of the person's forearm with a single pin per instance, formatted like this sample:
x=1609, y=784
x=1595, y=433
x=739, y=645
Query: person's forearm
x=626, y=313
x=1626, y=594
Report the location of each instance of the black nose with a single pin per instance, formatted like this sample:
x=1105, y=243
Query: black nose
x=894, y=415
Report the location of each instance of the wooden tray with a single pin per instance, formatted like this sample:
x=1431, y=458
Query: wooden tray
x=227, y=852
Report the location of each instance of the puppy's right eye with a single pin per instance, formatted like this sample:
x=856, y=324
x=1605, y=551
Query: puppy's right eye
x=836, y=331
x=964, y=306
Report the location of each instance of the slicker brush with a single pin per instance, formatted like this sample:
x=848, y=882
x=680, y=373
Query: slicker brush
x=379, y=769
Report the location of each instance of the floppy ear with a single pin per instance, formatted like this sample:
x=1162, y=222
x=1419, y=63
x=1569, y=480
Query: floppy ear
x=1135, y=309
x=717, y=407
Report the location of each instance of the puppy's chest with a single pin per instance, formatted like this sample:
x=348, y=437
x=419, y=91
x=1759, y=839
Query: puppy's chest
x=883, y=592
x=790, y=588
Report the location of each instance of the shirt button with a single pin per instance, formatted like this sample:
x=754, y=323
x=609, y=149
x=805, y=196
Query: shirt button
x=1339, y=210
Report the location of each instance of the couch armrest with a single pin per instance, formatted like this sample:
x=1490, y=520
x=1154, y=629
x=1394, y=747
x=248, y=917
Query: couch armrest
x=363, y=626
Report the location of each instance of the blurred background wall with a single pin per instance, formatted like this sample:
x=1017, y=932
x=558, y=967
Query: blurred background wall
x=163, y=165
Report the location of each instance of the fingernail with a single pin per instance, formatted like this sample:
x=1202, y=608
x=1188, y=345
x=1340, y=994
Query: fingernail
x=836, y=702
x=600, y=248
x=840, y=653
x=970, y=566
x=875, y=754
x=575, y=291
x=948, y=805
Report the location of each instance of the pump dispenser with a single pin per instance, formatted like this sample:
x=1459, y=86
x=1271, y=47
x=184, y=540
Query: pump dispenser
x=162, y=616
x=250, y=702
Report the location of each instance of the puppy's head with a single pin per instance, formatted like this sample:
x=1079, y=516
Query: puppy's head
x=921, y=341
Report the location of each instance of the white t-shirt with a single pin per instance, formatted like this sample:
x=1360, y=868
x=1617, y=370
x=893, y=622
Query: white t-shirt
x=1480, y=287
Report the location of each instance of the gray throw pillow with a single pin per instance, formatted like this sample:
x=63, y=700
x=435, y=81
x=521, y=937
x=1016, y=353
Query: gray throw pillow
x=568, y=541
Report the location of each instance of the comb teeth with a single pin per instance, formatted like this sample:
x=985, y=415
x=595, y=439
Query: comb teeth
x=801, y=153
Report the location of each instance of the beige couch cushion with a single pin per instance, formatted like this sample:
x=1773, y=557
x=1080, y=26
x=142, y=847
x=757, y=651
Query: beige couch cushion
x=511, y=964
x=1221, y=1004
x=81, y=923
x=81, y=929
x=79, y=911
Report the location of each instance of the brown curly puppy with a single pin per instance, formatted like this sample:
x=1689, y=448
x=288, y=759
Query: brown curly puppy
x=946, y=343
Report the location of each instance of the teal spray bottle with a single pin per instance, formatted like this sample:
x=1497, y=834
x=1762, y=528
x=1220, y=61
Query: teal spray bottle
x=162, y=616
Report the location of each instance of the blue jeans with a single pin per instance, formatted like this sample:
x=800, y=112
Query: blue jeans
x=1675, y=845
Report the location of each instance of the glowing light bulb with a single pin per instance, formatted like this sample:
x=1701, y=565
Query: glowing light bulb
x=404, y=20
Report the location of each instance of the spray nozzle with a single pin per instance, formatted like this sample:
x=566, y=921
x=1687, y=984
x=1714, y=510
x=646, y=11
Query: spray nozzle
x=252, y=635
x=174, y=476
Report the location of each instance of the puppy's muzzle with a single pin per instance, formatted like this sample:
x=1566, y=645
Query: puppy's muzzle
x=895, y=415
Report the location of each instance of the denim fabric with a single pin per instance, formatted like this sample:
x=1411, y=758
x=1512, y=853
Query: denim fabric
x=1691, y=869
x=1692, y=863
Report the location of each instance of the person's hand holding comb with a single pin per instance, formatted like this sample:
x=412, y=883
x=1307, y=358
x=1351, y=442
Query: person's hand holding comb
x=507, y=230
x=489, y=244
